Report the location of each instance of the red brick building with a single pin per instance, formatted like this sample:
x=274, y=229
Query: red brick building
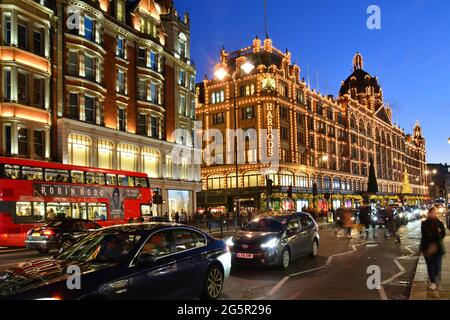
x=106, y=83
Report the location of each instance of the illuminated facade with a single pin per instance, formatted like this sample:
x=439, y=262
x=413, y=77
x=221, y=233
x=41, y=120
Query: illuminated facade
x=122, y=82
x=323, y=140
x=25, y=77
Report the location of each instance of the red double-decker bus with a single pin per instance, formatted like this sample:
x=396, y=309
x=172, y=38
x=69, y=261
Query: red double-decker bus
x=35, y=192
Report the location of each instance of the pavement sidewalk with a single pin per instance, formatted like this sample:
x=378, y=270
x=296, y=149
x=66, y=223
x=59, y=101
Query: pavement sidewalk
x=420, y=286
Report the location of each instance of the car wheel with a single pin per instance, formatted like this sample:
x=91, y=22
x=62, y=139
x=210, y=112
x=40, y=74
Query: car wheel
x=43, y=251
x=314, y=249
x=285, y=259
x=214, y=283
x=66, y=243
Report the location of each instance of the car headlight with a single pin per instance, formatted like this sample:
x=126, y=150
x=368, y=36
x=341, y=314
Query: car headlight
x=375, y=219
x=229, y=242
x=270, y=244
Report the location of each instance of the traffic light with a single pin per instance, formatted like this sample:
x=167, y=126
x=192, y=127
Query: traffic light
x=290, y=192
x=269, y=187
x=157, y=198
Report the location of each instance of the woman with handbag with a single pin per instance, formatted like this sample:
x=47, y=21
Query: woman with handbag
x=432, y=245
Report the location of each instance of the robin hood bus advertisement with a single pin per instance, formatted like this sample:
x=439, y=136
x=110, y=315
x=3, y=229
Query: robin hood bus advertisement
x=115, y=195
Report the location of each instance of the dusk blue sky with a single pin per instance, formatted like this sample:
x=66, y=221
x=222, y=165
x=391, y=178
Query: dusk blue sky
x=410, y=54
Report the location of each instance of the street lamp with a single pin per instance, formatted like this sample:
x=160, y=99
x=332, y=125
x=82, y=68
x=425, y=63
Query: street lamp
x=322, y=160
x=221, y=73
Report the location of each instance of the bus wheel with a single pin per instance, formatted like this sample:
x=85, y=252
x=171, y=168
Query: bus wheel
x=43, y=251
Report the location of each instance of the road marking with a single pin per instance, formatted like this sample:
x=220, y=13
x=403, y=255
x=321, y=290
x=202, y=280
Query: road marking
x=307, y=271
x=411, y=250
x=327, y=264
x=394, y=277
x=278, y=286
x=12, y=251
x=415, y=230
x=383, y=294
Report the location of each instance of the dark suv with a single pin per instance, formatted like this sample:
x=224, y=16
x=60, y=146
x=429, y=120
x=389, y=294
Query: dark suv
x=60, y=234
x=275, y=240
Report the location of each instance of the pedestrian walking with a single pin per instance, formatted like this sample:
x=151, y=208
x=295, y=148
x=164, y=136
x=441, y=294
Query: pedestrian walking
x=432, y=246
x=348, y=222
x=365, y=219
x=177, y=217
x=339, y=222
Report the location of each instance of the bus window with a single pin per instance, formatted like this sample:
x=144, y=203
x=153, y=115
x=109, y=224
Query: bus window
x=95, y=178
x=12, y=172
x=111, y=180
x=97, y=212
x=39, y=211
x=56, y=175
x=30, y=173
x=58, y=211
x=23, y=209
x=79, y=211
x=125, y=181
x=141, y=182
x=99, y=178
x=146, y=210
x=77, y=176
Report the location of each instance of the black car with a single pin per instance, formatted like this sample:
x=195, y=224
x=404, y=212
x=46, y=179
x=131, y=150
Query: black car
x=383, y=217
x=60, y=234
x=275, y=240
x=140, y=262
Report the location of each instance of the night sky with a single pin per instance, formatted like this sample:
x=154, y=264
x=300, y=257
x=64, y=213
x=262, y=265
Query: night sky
x=410, y=54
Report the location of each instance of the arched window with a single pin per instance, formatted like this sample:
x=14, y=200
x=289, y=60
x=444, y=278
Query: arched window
x=151, y=159
x=252, y=179
x=274, y=178
x=286, y=179
x=231, y=181
x=336, y=183
x=216, y=182
x=362, y=129
x=80, y=148
x=326, y=183
x=127, y=156
x=349, y=185
x=353, y=122
x=302, y=181
x=105, y=154
x=182, y=39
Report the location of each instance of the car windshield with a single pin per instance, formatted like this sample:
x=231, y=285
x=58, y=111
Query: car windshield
x=107, y=246
x=266, y=225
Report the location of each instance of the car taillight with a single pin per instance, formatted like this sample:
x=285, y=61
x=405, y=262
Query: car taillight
x=48, y=233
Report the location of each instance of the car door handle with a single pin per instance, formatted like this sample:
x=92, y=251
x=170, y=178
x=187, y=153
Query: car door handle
x=170, y=267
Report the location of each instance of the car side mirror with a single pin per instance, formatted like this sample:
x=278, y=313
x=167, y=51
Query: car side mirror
x=146, y=258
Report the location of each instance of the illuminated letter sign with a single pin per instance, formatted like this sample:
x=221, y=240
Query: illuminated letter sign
x=269, y=118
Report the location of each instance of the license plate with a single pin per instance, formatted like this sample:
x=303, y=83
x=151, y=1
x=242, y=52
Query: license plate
x=244, y=256
x=36, y=235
